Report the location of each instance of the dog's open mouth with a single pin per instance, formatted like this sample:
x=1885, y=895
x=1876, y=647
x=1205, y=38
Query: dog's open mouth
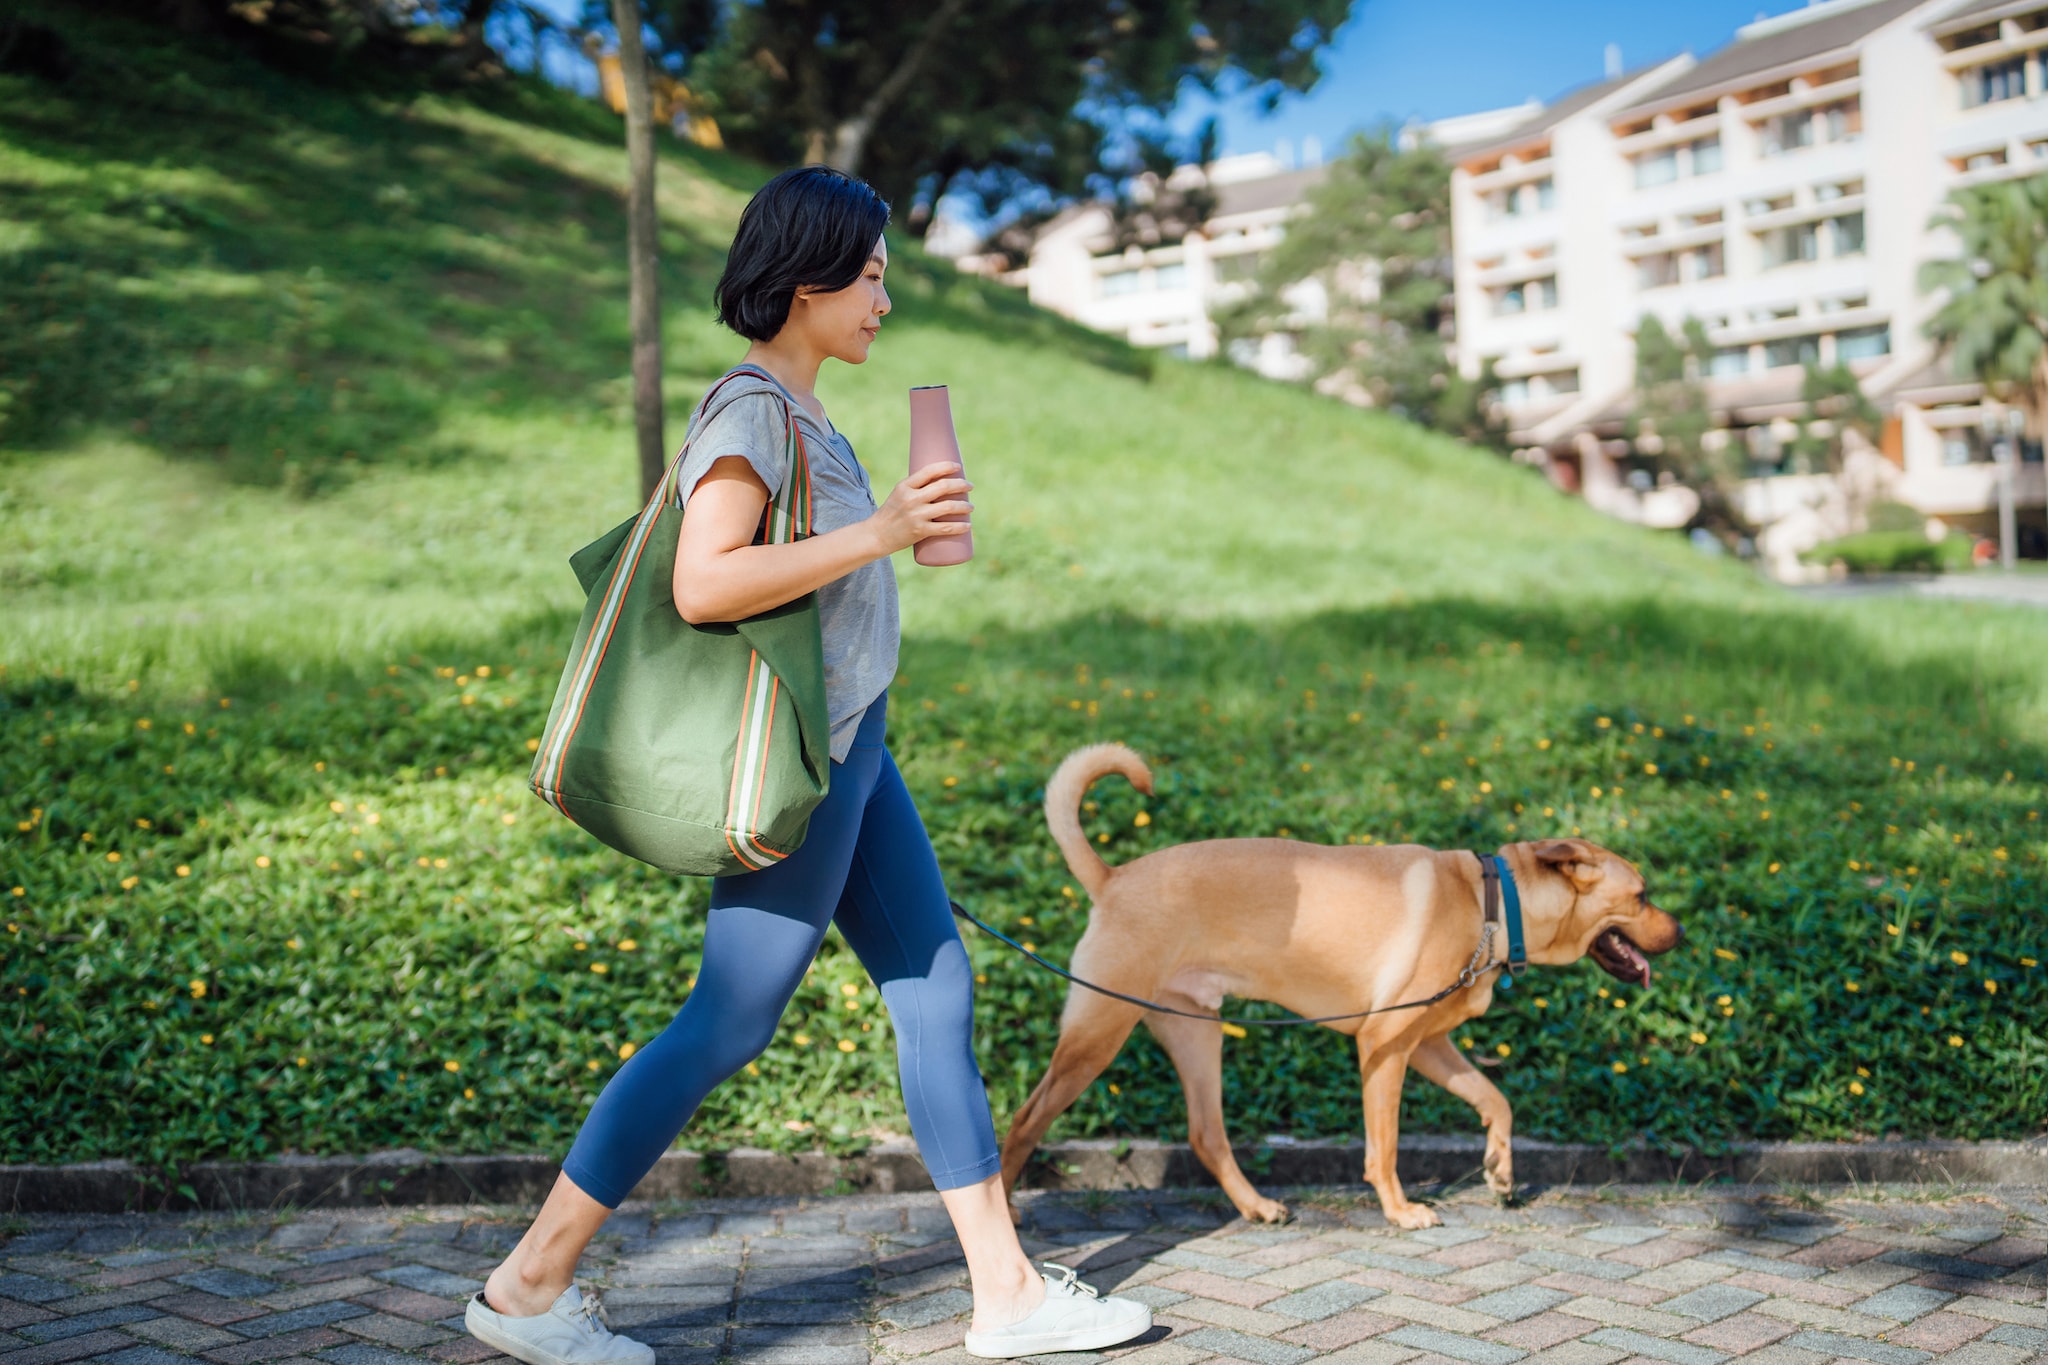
x=1619, y=958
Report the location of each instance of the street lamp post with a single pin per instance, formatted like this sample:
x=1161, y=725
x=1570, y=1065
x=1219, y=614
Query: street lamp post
x=2003, y=430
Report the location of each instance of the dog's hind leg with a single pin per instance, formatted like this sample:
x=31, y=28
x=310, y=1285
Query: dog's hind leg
x=1092, y=1030
x=1437, y=1059
x=1196, y=1046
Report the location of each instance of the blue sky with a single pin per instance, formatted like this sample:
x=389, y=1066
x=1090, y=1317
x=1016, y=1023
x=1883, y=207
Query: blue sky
x=1401, y=59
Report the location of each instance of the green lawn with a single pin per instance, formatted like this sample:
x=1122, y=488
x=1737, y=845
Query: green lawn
x=309, y=395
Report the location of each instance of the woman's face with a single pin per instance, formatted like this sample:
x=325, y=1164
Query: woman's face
x=842, y=322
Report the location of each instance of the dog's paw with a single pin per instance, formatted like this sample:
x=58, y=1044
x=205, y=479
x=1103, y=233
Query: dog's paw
x=1500, y=1178
x=1264, y=1210
x=1412, y=1217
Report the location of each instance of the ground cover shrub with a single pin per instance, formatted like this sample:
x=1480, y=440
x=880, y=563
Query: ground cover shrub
x=269, y=879
x=1894, y=552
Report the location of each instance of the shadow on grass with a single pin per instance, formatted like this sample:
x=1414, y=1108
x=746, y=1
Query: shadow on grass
x=290, y=279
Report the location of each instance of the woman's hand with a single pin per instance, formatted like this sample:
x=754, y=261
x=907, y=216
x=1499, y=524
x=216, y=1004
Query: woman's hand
x=917, y=508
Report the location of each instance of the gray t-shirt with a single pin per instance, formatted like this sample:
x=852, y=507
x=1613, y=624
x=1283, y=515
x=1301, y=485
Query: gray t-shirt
x=857, y=613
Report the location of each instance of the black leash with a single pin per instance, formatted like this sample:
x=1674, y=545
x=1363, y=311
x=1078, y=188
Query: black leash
x=1493, y=872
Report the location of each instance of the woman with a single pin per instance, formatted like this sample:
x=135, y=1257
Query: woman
x=803, y=282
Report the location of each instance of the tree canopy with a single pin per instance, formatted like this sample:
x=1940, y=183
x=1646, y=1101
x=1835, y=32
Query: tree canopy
x=1994, y=320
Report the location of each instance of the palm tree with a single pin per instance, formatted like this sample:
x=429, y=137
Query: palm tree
x=1994, y=322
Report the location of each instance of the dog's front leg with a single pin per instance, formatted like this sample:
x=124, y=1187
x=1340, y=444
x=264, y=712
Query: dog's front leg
x=1384, y=1070
x=1441, y=1062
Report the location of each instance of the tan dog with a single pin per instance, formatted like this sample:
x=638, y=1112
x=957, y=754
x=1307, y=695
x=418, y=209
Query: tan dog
x=1320, y=931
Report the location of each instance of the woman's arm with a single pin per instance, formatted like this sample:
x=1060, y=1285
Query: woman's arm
x=721, y=575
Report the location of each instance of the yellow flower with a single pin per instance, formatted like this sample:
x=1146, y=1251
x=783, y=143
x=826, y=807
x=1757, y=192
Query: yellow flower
x=626, y=1050
x=1543, y=744
x=451, y=1065
x=532, y=745
x=1960, y=959
x=1541, y=1003
x=206, y=1038
x=1725, y=1001
x=627, y=945
x=1855, y=1087
x=951, y=782
x=1955, y=1040
x=1650, y=768
x=1725, y=954
x=1620, y=1067
x=1142, y=819
x=593, y=1064
x=113, y=857
x=599, y=967
x=1699, y=1037
x=1115, y=1089
x=847, y=1045
x=802, y=1040
x=198, y=989
x=1603, y=722
x=1234, y=1031
x=302, y=1061
x=1851, y=987
x=128, y=883
x=1503, y=1049
x=508, y=818
x=468, y=1093
x=263, y=860
x=293, y=944
x=1773, y=867
x=1991, y=987
x=338, y=807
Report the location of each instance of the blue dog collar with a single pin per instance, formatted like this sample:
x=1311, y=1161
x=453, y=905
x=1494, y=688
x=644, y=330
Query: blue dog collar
x=1503, y=900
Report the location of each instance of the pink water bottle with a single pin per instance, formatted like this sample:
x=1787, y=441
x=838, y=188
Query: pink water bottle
x=932, y=442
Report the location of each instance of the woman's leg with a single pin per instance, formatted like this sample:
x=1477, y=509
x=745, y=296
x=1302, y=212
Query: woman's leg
x=761, y=934
x=896, y=917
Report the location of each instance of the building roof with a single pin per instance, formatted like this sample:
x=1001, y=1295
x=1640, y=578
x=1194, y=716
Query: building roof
x=1547, y=118
x=1777, y=47
x=1268, y=191
x=1976, y=12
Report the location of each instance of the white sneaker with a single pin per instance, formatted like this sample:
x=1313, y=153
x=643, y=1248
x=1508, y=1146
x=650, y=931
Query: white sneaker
x=1072, y=1318
x=572, y=1332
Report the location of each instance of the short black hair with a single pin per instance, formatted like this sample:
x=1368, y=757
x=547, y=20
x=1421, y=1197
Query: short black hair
x=809, y=227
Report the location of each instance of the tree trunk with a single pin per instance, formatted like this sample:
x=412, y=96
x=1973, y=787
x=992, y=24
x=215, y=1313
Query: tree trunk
x=644, y=299
x=850, y=139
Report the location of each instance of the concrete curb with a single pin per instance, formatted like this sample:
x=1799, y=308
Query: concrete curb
x=409, y=1177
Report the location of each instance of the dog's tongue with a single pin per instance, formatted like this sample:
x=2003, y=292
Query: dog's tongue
x=1620, y=950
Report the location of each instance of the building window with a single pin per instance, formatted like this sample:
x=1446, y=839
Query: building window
x=1983, y=161
x=1963, y=445
x=1863, y=343
x=1788, y=132
x=1242, y=266
x=1757, y=207
x=1994, y=81
x=1705, y=262
x=1843, y=121
x=1514, y=392
x=1728, y=362
x=1175, y=276
x=1122, y=282
x=1530, y=296
x=1705, y=154
x=1790, y=245
x=1655, y=272
x=1840, y=189
x=1791, y=351
x=1562, y=381
x=1657, y=168
x=1847, y=234
x=1517, y=201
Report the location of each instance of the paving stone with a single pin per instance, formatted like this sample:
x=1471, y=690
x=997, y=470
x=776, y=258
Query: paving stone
x=1577, y=1353
x=1940, y=1332
x=70, y=1348
x=1238, y=1346
x=1985, y=1353
x=34, y=1289
x=1429, y=1314
x=1785, y=1267
x=1244, y=1293
x=86, y=1322
x=1709, y=1303
x=1543, y=1331
x=359, y=1353
x=1857, y=1348
x=13, y=1315
x=228, y=1284
x=428, y=1280
x=1458, y=1347
x=1400, y=1265
x=1512, y=1305
x=182, y=1333
x=1625, y=1235
x=930, y=1308
x=1341, y=1330
x=211, y=1309
x=1741, y=1334
x=1233, y=1316
x=1622, y=1291
x=1956, y=1266
x=1636, y=1343
x=1215, y=1265
x=392, y=1330
x=1837, y=1252
x=2033, y=1338
x=159, y=1267
x=1617, y=1314
x=146, y=1355
x=1826, y=1319
x=298, y=1319
x=1903, y=1302
x=1581, y=1265
x=1375, y=1352
x=1322, y=1301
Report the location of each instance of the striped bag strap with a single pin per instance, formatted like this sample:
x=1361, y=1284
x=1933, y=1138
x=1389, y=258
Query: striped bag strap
x=788, y=516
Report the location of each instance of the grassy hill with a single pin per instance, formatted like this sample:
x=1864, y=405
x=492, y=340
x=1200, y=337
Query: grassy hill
x=308, y=394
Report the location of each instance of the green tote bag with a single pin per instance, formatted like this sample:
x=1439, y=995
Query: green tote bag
x=699, y=749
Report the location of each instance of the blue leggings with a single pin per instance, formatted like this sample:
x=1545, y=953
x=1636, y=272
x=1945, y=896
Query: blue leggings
x=866, y=865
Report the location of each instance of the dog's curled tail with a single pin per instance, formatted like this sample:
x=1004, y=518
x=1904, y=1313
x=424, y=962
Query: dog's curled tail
x=1076, y=773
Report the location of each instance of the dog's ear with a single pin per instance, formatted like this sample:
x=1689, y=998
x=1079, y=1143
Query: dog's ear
x=1575, y=858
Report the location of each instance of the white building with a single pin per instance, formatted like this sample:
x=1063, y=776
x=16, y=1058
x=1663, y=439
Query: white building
x=1778, y=190
x=1165, y=294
